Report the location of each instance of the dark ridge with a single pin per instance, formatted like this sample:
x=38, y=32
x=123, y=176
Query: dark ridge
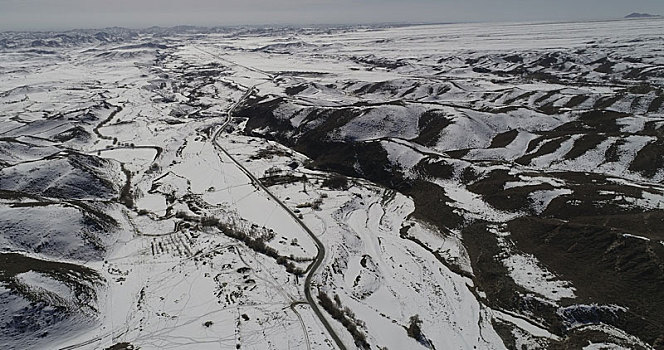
x=431, y=124
x=650, y=159
x=656, y=104
x=612, y=154
x=640, y=15
x=492, y=277
x=523, y=96
x=45, y=310
x=546, y=96
x=431, y=205
x=584, y=144
x=492, y=189
x=606, y=102
x=548, y=147
x=294, y=90
x=604, y=267
x=435, y=168
x=576, y=100
x=504, y=139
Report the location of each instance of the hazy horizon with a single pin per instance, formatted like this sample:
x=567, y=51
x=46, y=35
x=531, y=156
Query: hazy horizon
x=72, y=14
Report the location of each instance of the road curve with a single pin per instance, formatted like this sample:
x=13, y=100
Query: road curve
x=320, y=256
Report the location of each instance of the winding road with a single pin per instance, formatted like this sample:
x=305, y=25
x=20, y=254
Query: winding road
x=311, y=270
x=320, y=256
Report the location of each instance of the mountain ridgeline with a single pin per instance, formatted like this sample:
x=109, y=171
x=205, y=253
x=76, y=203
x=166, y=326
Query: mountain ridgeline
x=567, y=144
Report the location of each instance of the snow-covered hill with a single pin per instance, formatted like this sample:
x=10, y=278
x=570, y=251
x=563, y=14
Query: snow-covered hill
x=440, y=187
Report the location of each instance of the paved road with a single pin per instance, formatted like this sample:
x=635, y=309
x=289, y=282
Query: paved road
x=320, y=256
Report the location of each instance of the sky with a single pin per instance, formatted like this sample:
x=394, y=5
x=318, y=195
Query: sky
x=70, y=14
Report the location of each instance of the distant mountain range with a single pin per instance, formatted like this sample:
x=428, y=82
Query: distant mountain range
x=640, y=15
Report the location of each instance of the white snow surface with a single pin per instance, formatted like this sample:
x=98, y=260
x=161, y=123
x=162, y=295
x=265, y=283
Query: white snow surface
x=170, y=283
x=526, y=272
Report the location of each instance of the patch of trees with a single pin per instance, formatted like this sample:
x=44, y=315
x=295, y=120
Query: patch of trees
x=272, y=180
x=269, y=152
x=256, y=244
x=315, y=205
x=336, y=182
x=126, y=194
x=181, y=214
x=121, y=346
x=154, y=168
x=415, y=331
x=210, y=221
x=346, y=317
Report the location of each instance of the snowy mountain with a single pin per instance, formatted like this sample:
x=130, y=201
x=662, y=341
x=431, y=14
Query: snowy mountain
x=464, y=186
x=640, y=15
